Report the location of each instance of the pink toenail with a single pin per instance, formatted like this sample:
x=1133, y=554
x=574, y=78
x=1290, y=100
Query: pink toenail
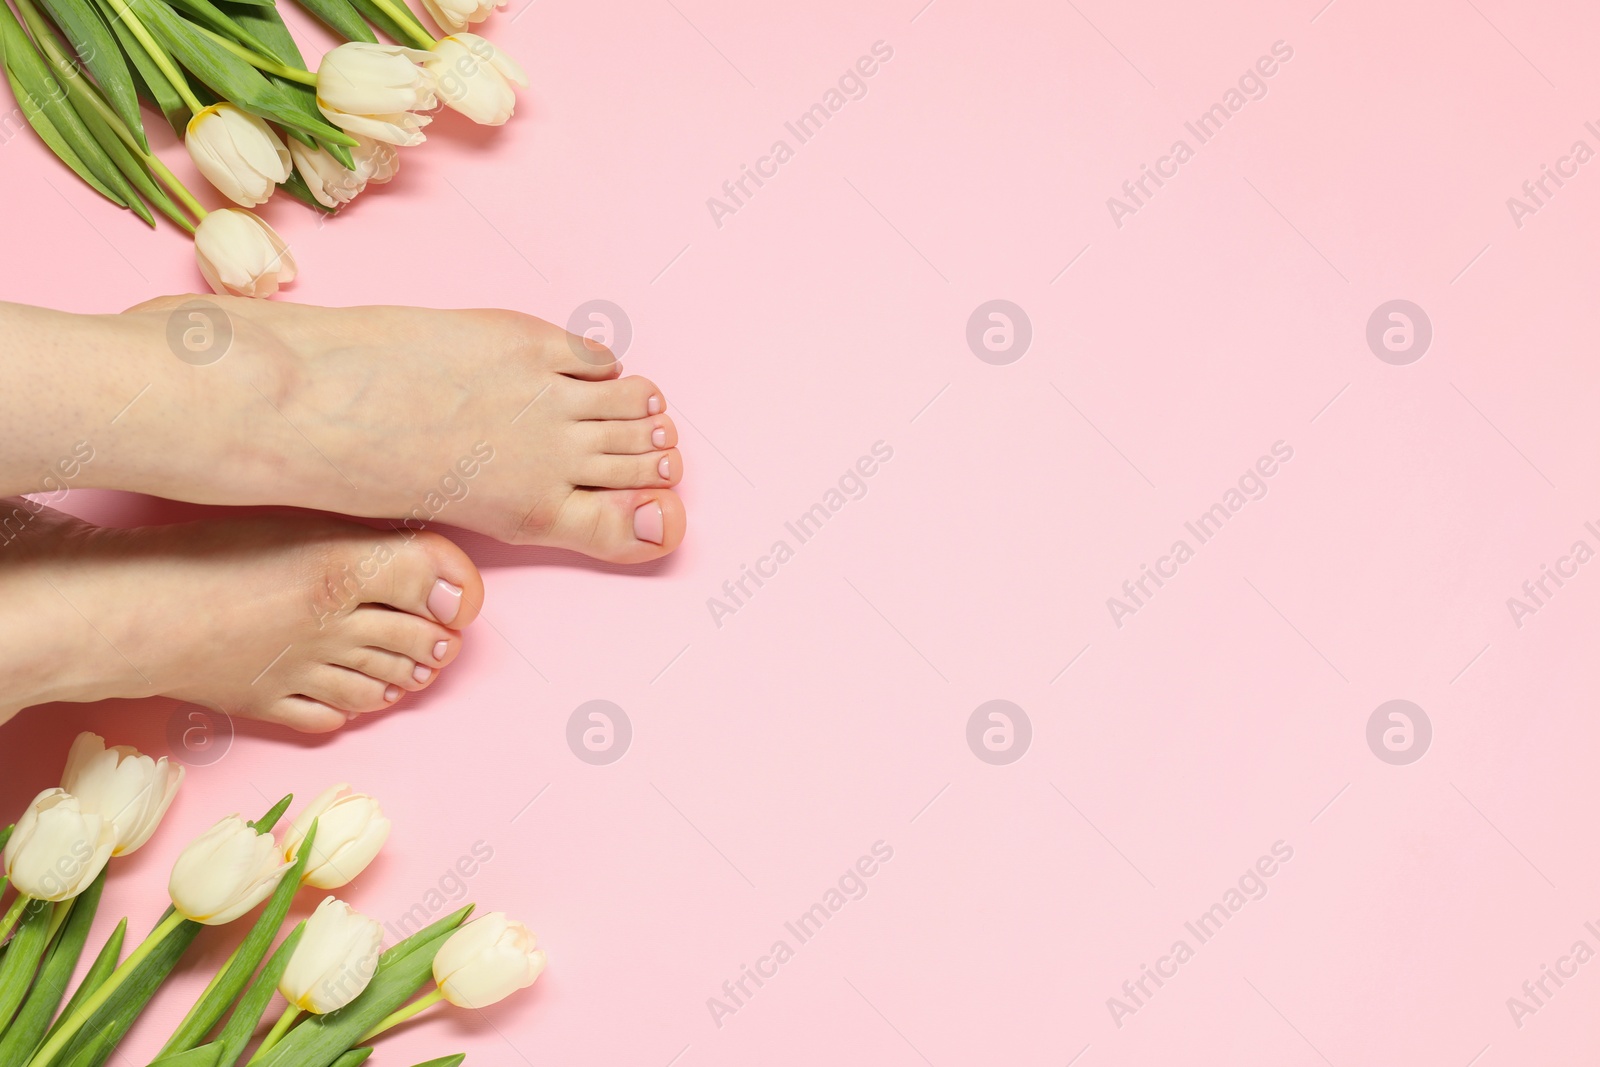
x=658, y=437
x=440, y=649
x=649, y=524
x=444, y=602
x=665, y=467
x=391, y=694
x=654, y=405
x=421, y=673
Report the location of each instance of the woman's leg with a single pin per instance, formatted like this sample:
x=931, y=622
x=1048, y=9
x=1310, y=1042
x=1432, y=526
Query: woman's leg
x=488, y=420
x=304, y=621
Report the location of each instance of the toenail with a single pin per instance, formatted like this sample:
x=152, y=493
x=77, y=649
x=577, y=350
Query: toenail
x=649, y=524
x=654, y=405
x=658, y=437
x=445, y=601
x=421, y=673
x=391, y=694
x=665, y=467
x=440, y=649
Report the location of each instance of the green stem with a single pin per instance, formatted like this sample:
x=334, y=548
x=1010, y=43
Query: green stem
x=407, y=21
x=69, y=1029
x=81, y=91
x=159, y=56
x=279, y=1028
x=57, y=917
x=416, y=1007
x=11, y=915
x=260, y=62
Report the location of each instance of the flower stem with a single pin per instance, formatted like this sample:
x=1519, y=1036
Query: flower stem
x=12, y=915
x=91, y=1004
x=416, y=1007
x=279, y=1028
x=260, y=62
x=407, y=21
x=159, y=56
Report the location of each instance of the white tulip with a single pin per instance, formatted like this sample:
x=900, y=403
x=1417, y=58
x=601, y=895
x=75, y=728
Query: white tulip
x=225, y=872
x=122, y=785
x=57, y=848
x=351, y=828
x=335, y=959
x=454, y=16
x=331, y=184
x=377, y=91
x=238, y=153
x=376, y=161
x=475, y=78
x=486, y=961
x=241, y=255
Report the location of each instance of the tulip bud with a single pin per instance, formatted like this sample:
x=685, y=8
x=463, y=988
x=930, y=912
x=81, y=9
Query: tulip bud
x=238, y=153
x=330, y=183
x=119, y=784
x=241, y=255
x=335, y=959
x=475, y=78
x=377, y=90
x=351, y=828
x=225, y=872
x=57, y=848
x=454, y=16
x=486, y=961
x=376, y=161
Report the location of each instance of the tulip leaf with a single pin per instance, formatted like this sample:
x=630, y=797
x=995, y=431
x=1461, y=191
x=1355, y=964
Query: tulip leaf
x=157, y=89
x=297, y=188
x=265, y=824
x=99, y=971
x=383, y=20
x=402, y=970
x=204, y=1056
x=354, y=1058
x=342, y=18
x=33, y=1019
x=264, y=21
x=130, y=167
x=242, y=1023
x=446, y=1061
x=92, y=40
x=24, y=62
x=225, y=987
x=22, y=959
x=208, y=14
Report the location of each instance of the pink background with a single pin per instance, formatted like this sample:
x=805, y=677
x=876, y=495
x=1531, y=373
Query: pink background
x=830, y=711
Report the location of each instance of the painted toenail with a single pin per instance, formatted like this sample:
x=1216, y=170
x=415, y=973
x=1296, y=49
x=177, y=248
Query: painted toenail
x=649, y=524
x=391, y=694
x=440, y=649
x=665, y=467
x=654, y=405
x=421, y=673
x=658, y=437
x=444, y=603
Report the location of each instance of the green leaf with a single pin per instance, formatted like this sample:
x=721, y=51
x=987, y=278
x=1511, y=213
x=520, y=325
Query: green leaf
x=206, y=13
x=130, y=167
x=94, y=44
x=99, y=971
x=380, y=18
x=22, y=959
x=265, y=824
x=31, y=1022
x=354, y=1058
x=204, y=1056
x=225, y=987
x=158, y=90
x=265, y=22
x=297, y=188
x=446, y=1061
x=23, y=61
x=52, y=138
x=342, y=18
x=404, y=969
x=242, y=1023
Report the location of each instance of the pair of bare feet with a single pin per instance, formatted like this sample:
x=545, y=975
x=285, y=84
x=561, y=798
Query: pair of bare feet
x=486, y=420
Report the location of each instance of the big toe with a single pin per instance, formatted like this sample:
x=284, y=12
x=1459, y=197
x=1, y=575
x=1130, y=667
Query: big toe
x=620, y=525
x=421, y=573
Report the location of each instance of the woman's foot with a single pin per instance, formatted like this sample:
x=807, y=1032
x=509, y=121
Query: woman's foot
x=488, y=420
x=307, y=622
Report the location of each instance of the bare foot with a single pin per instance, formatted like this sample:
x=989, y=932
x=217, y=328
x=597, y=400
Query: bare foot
x=307, y=622
x=488, y=420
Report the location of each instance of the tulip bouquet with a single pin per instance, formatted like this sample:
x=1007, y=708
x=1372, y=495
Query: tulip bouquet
x=342, y=988
x=230, y=79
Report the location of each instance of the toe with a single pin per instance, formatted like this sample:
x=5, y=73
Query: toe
x=412, y=637
x=632, y=472
x=304, y=714
x=349, y=691
x=628, y=438
x=386, y=666
x=429, y=576
x=626, y=398
x=620, y=525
